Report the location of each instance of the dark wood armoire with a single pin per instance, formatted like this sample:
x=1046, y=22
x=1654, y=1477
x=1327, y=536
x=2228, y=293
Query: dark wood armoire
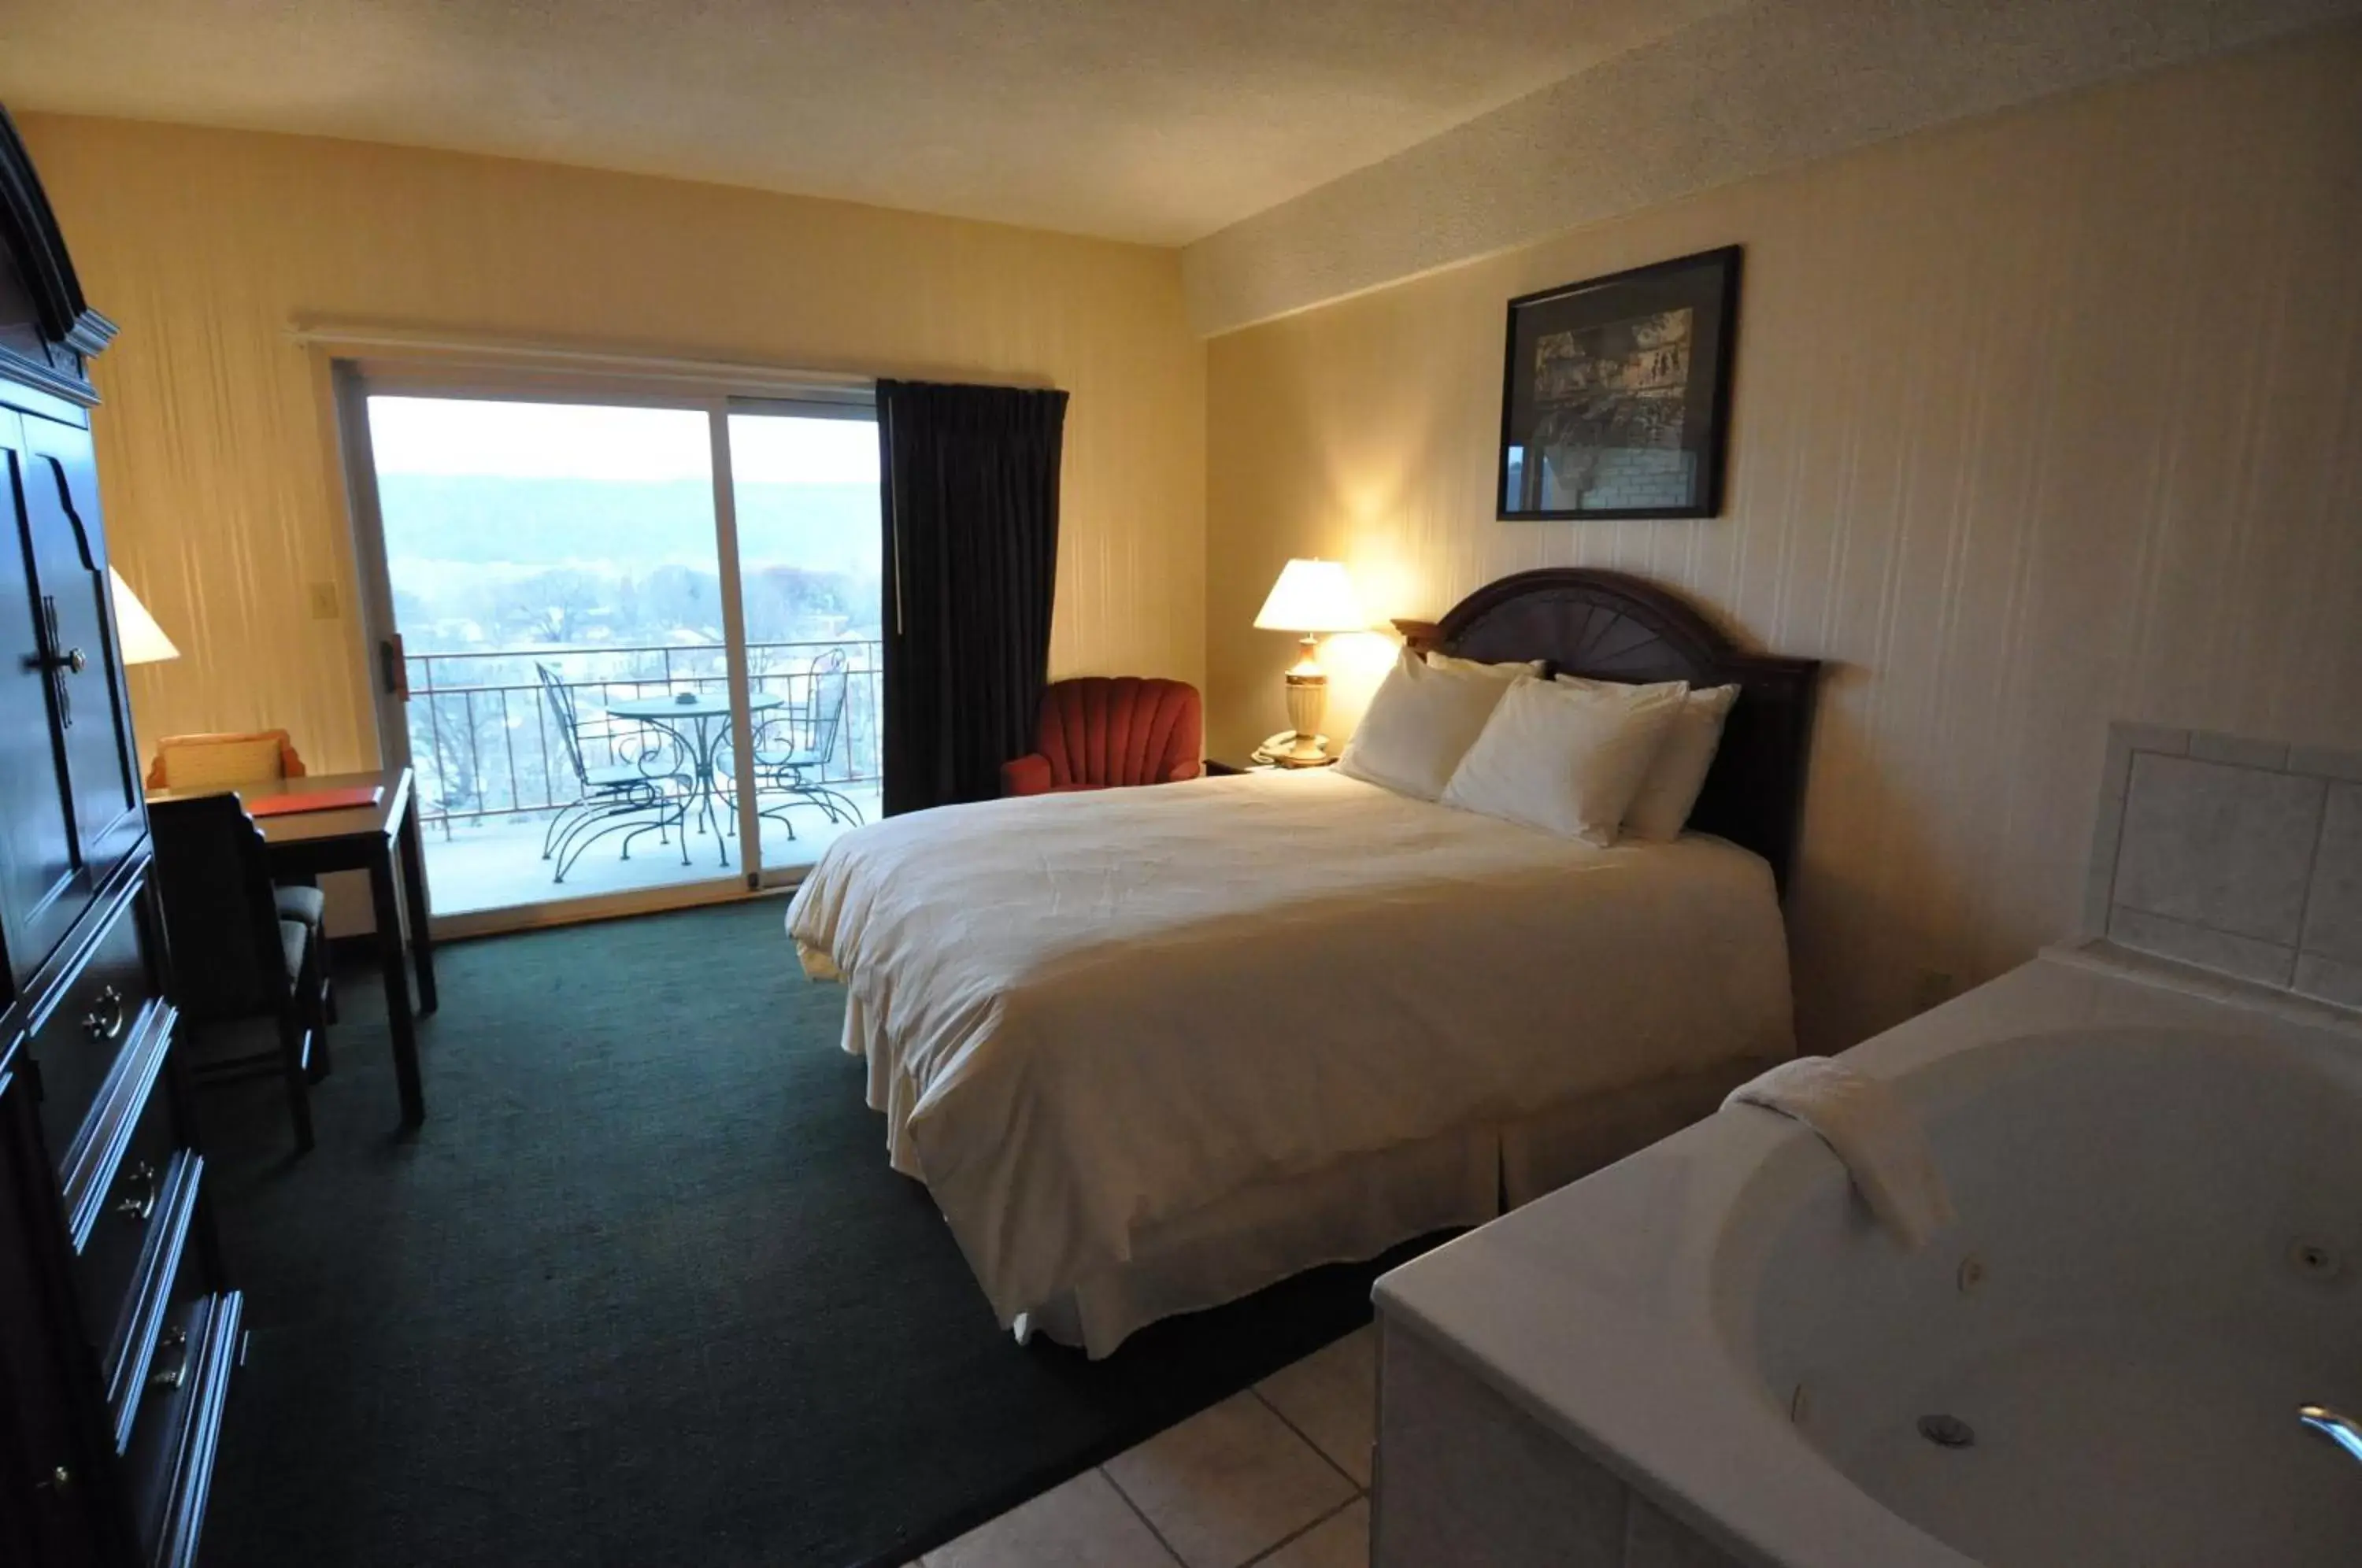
x=118, y=1336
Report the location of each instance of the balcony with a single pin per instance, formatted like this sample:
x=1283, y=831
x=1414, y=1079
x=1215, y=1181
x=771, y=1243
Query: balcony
x=497, y=780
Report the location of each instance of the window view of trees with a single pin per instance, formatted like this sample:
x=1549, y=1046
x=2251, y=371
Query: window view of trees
x=579, y=540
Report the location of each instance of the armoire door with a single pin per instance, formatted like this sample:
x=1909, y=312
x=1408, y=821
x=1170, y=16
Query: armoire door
x=69, y=550
x=37, y=854
x=69, y=787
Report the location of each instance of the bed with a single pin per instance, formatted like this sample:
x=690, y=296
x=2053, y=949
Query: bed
x=1152, y=1049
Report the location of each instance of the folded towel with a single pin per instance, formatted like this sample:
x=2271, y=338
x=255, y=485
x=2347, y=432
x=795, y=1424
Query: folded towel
x=1867, y=1125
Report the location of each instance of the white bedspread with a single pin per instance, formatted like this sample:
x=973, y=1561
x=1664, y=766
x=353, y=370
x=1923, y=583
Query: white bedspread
x=1086, y=1013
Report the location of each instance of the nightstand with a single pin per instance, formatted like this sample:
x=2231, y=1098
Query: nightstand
x=1218, y=768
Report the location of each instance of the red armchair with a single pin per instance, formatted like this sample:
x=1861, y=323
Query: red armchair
x=1103, y=731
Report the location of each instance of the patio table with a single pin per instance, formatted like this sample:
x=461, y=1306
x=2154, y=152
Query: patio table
x=700, y=726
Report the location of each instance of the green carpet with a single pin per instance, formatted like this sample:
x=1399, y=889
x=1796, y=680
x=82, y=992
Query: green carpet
x=643, y=1290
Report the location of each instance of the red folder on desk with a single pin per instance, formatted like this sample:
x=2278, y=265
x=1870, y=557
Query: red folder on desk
x=316, y=800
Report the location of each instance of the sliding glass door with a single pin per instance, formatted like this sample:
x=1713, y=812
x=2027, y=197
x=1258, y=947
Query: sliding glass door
x=804, y=499
x=629, y=647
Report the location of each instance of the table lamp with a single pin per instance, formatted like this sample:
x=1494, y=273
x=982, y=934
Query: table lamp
x=1310, y=598
x=139, y=639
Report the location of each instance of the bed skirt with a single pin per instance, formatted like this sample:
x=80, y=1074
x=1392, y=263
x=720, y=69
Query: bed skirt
x=1358, y=1207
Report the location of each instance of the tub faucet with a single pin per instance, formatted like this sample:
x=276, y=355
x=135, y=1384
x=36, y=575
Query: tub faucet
x=2337, y=1429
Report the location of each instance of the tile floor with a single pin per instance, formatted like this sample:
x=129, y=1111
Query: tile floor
x=1277, y=1476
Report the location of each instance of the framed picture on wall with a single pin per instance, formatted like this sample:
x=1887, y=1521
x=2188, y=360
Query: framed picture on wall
x=1616, y=397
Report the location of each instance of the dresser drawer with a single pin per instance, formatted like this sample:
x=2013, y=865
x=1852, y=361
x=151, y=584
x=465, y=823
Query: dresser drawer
x=150, y=1297
x=170, y=1456
x=127, y=1215
x=88, y=1174
x=42, y=1382
x=79, y=1038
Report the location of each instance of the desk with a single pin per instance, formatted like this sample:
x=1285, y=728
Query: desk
x=365, y=838
x=709, y=723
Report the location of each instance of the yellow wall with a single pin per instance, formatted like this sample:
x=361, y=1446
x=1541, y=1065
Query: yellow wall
x=2041, y=420
x=222, y=500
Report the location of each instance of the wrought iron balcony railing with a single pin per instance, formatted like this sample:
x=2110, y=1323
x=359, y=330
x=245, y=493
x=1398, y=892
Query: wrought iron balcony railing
x=485, y=742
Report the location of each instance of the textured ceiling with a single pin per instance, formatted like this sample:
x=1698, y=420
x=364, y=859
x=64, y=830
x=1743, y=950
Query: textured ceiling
x=1140, y=120
x=1768, y=86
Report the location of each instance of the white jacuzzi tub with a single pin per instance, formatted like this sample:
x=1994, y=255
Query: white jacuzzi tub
x=2159, y=1260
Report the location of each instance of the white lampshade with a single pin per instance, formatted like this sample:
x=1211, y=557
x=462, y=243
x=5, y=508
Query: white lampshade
x=1312, y=596
x=141, y=639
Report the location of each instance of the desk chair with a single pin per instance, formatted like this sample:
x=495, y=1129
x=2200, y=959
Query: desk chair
x=233, y=955
x=225, y=761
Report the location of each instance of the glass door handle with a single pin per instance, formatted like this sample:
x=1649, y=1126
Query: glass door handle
x=391, y=667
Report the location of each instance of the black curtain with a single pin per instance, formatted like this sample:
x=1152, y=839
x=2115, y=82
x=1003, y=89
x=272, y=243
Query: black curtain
x=971, y=514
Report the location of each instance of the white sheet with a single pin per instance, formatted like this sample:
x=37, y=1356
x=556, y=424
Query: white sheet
x=1086, y=1015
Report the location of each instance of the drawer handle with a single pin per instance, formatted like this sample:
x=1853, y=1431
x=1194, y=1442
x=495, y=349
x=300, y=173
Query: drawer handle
x=141, y=1206
x=175, y=1339
x=105, y=1018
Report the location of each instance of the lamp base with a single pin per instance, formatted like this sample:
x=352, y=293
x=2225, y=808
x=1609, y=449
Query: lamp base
x=1302, y=744
x=1289, y=749
x=1308, y=696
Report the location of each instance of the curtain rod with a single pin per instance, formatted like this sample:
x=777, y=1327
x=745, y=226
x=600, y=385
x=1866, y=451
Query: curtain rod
x=548, y=356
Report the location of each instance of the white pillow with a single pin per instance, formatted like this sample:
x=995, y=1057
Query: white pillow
x=1662, y=808
x=1509, y=671
x=1420, y=722
x=1566, y=759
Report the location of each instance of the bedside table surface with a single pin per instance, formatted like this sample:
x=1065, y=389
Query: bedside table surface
x=1224, y=767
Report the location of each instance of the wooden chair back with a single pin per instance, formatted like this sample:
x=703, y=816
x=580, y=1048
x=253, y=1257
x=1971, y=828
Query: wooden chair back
x=220, y=761
x=221, y=917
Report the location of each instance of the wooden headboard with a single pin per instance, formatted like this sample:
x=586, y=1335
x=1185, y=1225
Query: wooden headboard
x=1610, y=626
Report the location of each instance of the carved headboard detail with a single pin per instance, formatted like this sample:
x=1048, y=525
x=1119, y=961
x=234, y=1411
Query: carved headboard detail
x=1611, y=626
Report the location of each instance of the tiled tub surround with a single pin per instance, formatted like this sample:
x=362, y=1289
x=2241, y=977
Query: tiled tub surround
x=1709, y=1354
x=2242, y=857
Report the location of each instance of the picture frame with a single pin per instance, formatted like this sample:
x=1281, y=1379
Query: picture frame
x=1616, y=393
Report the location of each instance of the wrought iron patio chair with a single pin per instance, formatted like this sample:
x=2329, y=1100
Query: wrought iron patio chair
x=793, y=750
x=631, y=798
